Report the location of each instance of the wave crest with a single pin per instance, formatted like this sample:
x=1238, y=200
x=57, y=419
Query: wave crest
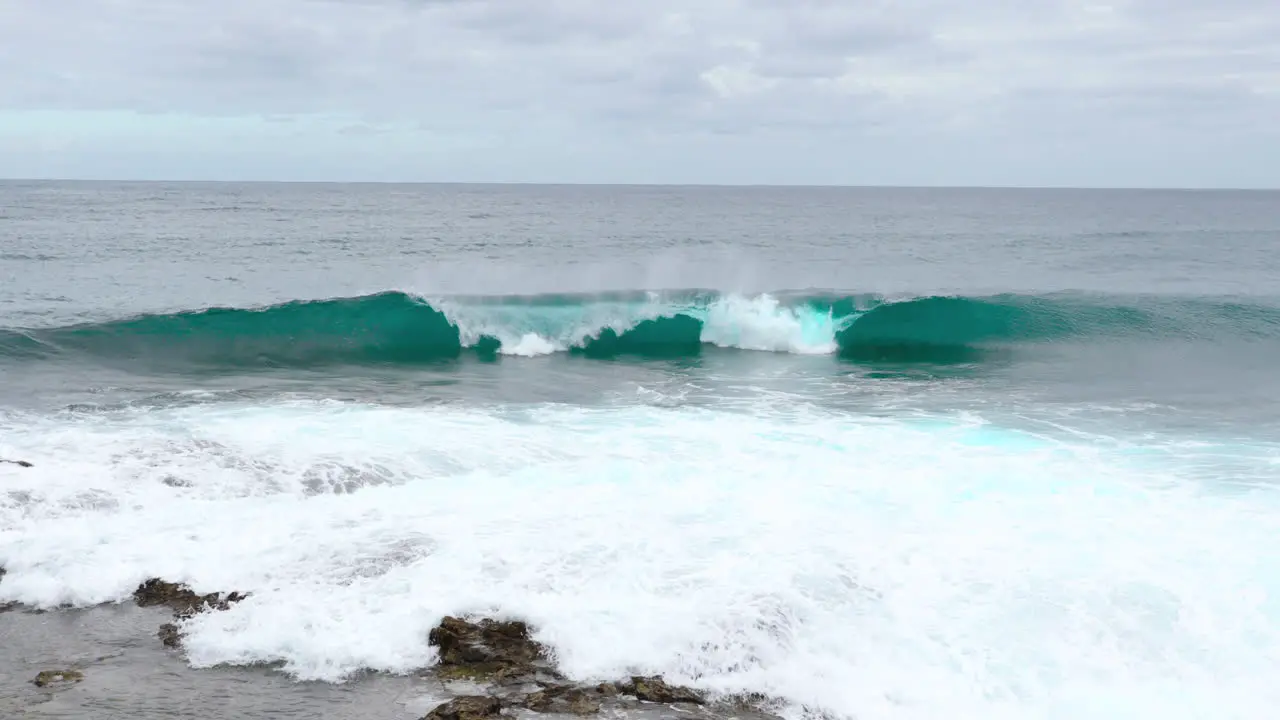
x=396, y=328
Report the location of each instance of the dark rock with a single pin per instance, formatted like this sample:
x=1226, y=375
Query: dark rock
x=51, y=677
x=487, y=647
x=477, y=672
x=181, y=598
x=516, y=673
x=184, y=602
x=748, y=701
x=755, y=705
x=655, y=689
x=19, y=463
x=569, y=699
x=169, y=635
x=6, y=607
x=468, y=707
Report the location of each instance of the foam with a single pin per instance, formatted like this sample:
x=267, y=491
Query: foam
x=761, y=323
x=874, y=568
x=758, y=322
x=530, y=345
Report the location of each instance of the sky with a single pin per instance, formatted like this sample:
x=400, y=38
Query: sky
x=1145, y=93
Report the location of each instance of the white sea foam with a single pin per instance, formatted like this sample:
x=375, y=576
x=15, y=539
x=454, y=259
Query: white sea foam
x=758, y=322
x=873, y=568
x=761, y=323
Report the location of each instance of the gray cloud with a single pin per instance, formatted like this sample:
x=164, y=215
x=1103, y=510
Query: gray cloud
x=660, y=68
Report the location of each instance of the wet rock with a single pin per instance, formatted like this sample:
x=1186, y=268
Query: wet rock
x=19, y=463
x=567, y=699
x=170, y=635
x=753, y=706
x=56, y=677
x=495, y=674
x=468, y=707
x=6, y=607
x=487, y=647
x=183, y=601
x=748, y=701
x=515, y=674
x=181, y=598
x=655, y=689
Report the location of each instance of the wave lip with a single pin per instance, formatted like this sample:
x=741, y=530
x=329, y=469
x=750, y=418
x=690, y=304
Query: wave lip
x=397, y=328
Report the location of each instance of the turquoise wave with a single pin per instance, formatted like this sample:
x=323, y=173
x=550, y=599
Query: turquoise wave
x=395, y=328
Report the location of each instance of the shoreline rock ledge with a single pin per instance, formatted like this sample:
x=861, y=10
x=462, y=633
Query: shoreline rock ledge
x=183, y=601
x=493, y=668
x=5, y=607
x=512, y=672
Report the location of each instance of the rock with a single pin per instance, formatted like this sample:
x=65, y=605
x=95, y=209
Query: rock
x=181, y=598
x=748, y=701
x=655, y=689
x=478, y=672
x=6, y=607
x=51, y=677
x=565, y=699
x=516, y=673
x=19, y=463
x=487, y=647
x=184, y=602
x=757, y=706
x=467, y=707
x=169, y=635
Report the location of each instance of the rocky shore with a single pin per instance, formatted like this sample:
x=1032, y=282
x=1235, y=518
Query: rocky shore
x=5, y=606
x=488, y=668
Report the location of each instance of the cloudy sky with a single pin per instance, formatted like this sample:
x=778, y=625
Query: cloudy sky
x=914, y=92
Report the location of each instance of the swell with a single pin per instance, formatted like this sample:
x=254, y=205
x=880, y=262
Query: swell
x=394, y=328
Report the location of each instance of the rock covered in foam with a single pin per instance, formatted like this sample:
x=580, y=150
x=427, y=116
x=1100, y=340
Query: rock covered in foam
x=10, y=605
x=183, y=601
x=503, y=655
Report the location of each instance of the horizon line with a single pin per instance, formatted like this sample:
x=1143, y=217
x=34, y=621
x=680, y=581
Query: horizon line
x=709, y=185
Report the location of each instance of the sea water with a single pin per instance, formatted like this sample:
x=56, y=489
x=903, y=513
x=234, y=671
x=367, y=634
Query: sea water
x=875, y=453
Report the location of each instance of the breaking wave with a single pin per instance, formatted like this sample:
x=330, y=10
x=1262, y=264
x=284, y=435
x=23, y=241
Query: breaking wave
x=394, y=328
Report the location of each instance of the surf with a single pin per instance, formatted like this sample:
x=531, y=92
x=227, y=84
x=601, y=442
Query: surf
x=400, y=328
x=852, y=565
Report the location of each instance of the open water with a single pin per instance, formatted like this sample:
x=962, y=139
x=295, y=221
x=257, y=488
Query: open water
x=880, y=453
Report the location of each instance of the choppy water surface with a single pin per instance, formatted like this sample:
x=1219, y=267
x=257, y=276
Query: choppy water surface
x=879, y=453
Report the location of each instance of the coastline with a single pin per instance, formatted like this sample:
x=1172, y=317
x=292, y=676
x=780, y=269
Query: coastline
x=109, y=661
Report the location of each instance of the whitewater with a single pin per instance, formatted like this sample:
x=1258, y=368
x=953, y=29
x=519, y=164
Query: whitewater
x=852, y=489
x=869, y=568
x=735, y=321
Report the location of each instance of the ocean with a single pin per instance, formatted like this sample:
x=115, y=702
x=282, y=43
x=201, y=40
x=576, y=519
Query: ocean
x=876, y=453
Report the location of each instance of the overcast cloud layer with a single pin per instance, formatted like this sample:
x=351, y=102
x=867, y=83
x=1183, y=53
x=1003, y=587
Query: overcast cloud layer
x=1003, y=92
